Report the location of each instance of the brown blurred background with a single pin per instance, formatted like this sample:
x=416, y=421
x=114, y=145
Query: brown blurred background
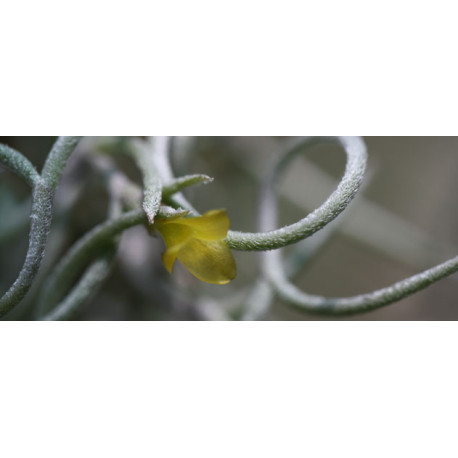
x=403, y=222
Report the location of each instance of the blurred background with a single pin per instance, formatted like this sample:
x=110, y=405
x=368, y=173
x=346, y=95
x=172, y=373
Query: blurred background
x=402, y=222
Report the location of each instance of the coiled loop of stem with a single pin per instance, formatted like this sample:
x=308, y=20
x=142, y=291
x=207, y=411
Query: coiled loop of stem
x=271, y=238
x=274, y=269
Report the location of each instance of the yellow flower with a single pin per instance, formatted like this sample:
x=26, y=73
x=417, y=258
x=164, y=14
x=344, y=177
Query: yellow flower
x=198, y=243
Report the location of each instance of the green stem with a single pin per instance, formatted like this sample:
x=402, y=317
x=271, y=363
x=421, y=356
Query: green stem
x=178, y=184
x=162, y=161
x=356, y=304
x=41, y=215
x=57, y=159
x=92, y=279
x=40, y=225
x=262, y=294
x=143, y=154
x=96, y=274
x=275, y=271
x=96, y=241
x=272, y=238
x=337, y=202
x=19, y=164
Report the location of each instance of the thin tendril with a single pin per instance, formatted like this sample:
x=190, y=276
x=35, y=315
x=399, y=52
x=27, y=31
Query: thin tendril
x=274, y=271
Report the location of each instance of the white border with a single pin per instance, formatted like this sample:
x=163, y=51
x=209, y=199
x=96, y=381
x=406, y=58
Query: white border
x=228, y=389
x=228, y=68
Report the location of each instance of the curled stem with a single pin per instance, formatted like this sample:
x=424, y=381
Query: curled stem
x=92, y=279
x=96, y=274
x=98, y=240
x=275, y=271
x=356, y=304
x=39, y=228
x=262, y=294
x=279, y=238
x=57, y=159
x=271, y=238
x=41, y=215
x=19, y=164
x=337, y=202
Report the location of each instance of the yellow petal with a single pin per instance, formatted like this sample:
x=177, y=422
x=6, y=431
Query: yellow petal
x=175, y=236
x=212, y=225
x=211, y=262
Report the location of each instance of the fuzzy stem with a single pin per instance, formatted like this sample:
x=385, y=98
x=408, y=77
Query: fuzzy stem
x=164, y=168
x=262, y=294
x=96, y=241
x=274, y=269
x=41, y=215
x=337, y=202
x=356, y=304
x=96, y=274
x=57, y=159
x=272, y=238
x=19, y=164
x=91, y=281
x=178, y=184
x=143, y=154
x=40, y=225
